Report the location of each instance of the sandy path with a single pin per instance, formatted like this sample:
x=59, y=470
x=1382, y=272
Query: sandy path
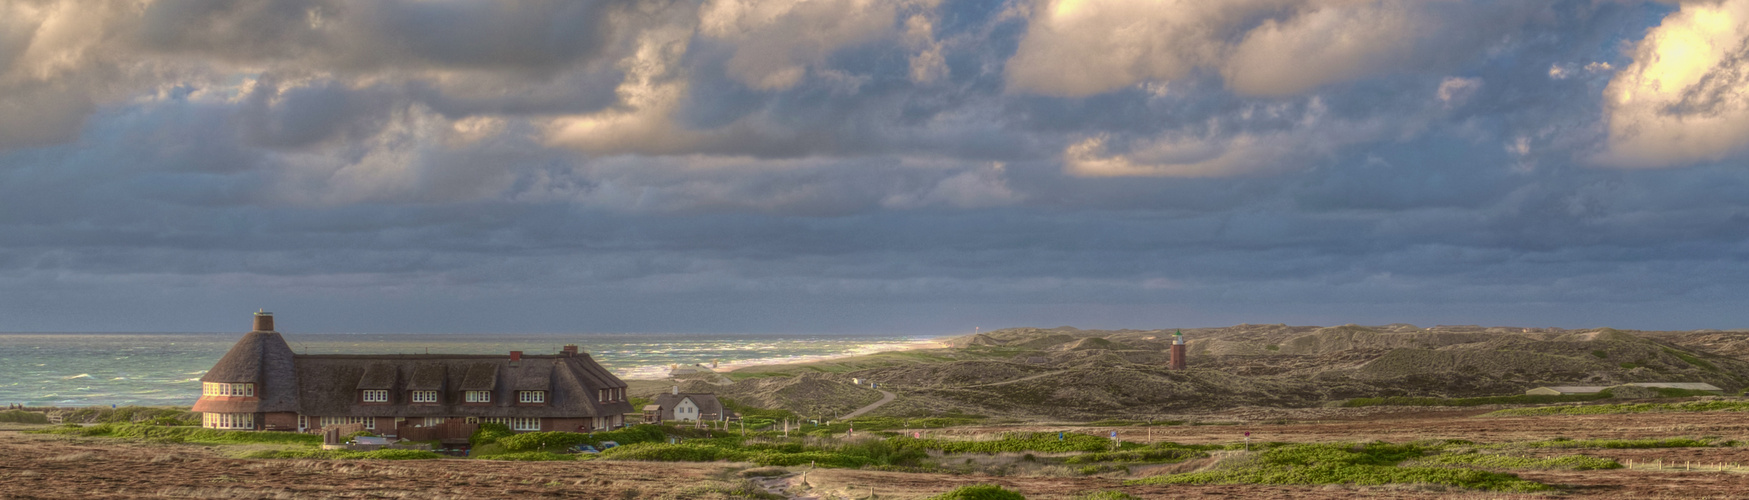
x=886, y=397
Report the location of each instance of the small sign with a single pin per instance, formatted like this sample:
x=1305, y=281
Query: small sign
x=1114, y=434
x=1247, y=433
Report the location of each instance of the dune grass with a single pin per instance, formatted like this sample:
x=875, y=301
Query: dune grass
x=1345, y=463
x=980, y=492
x=1492, y=461
x=1611, y=409
x=184, y=434
x=1519, y=399
x=23, y=417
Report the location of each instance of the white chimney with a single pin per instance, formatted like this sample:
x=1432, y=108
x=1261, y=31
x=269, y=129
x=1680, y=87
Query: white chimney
x=677, y=390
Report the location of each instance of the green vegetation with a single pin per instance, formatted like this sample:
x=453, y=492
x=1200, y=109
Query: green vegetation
x=184, y=434
x=1609, y=409
x=1340, y=463
x=1616, y=443
x=1691, y=360
x=1520, y=399
x=1601, y=354
x=489, y=433
x=1490, y=461
x=1159, y=453
x=558, y=441
x=133, y=414
x=1016, y=442
x=23, y=417
x=979, y=492
x=385, y=454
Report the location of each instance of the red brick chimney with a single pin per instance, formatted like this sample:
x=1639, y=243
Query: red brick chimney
x=570, y=350
x=263, y=321
x=515, y=356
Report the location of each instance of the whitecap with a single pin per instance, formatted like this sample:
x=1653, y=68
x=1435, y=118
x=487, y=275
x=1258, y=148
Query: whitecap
x=82, y=375
x=202, y=372
x=185, y=380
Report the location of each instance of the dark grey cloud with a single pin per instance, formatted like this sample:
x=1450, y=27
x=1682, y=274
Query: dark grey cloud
x=642, y=166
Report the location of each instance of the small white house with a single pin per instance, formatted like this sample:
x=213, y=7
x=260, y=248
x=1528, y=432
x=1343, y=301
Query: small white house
x=691, y=407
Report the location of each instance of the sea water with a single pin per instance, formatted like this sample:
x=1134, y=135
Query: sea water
x=84, y=369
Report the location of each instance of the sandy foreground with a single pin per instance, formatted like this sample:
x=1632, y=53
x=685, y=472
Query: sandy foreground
x=35, y=466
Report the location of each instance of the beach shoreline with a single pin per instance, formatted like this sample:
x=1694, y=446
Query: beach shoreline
x=664, y=373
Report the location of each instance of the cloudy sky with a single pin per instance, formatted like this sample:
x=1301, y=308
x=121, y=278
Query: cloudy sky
x=871, y=166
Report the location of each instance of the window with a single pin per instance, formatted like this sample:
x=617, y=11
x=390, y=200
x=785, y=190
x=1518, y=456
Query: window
x=531, y=396
x=376, y=396
x=425, y=396
x=479, y=396
x=215, y=389
x=516, y=423
x=430, y=421
x=369, y=422
x=471, y=420
x=227, y=420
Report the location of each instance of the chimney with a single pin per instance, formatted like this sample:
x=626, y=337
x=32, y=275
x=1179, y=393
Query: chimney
x=570, y=350
x=515, y=356
x=263, y=321
x=677, y=390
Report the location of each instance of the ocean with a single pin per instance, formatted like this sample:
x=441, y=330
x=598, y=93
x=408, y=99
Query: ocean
x=101, y=369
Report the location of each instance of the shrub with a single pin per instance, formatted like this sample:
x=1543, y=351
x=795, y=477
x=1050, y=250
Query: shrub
x=541, y=440
x=1520, y=399
x=1013, y=442
x=979, y=492
x=489, y=432
x=1620, y=443
x=1607, y=409
x=1570, y=462
x=159, y=433
x=1337, y=463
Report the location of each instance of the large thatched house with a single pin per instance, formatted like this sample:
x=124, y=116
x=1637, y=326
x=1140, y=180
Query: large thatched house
x=261, y=384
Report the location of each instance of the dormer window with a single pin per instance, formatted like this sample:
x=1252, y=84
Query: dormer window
x=531, y=396
x=376, y=396
x=424, y=396
x=608, y=395
x=227, y=390
x=479, y=396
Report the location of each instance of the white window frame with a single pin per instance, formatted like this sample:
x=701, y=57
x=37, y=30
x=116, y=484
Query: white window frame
x=375, y=396
x=425, y=396
x=516, y=423
x=227, y=420
x=434, y=421
x=531, y=396
x=220, y=389
x=479, y=396
x=369, y=422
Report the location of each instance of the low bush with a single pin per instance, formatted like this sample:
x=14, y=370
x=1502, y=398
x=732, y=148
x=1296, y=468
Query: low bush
x=1618, y=443
x=159, y=433
x=1152, y=456
x=1610, y=409
x=1490, y=461
x=489, y=433
x=133, y=414
x=980, y=492
x=1337, y=463
x=1520, y=399
x=1048, y=442
x=23, y=417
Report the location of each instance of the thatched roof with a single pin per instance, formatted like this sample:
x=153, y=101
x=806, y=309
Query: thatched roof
x=480, y=377
x=532, y=377
x=261, y=358
x=426, y=377
x=378, y=376
x=328, y=385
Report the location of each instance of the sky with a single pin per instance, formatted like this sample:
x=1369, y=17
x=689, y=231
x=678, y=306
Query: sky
x=919, y=167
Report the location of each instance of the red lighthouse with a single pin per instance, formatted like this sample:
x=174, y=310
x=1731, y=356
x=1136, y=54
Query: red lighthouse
x=1178, y=356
